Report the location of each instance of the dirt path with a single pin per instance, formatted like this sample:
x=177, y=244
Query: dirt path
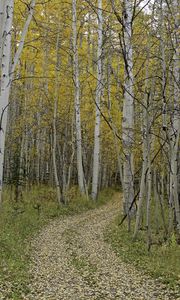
x=71, y=261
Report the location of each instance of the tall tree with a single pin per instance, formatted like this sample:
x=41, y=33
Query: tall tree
x=175, y=131
x=54, y=142
x=81, y=178
x=7, y=71
x=99, y=87
x=128, y=107
x=5, y=80
x=2, y=23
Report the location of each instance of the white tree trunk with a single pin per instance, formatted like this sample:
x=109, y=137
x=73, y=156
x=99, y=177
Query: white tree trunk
x=146, y=147
x=54, y=143
x=119, y=156
x=2, y=19
x=81, y=179
x=128, y=108
x=148, y=204
x=163, y=65
x=96, y=157
x=175, y=131
x=176, y=121
x=5, y=81
x=161, y=200
x=7, y=72
x=72, y=156
x=144, y=169
x=23, y=36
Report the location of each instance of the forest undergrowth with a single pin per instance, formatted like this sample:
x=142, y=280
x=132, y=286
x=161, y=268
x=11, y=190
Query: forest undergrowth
x=21, y=221
x=161, y=262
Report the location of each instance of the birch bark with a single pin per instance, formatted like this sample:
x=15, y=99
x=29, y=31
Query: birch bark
x=54, y=143
x=2, y=18
x=148, y=92
x=96, y=155
x=144, y=166
x=128, y=108
x=5, y=81
x=148, y=207
x=176, y=109
x=81, y=179
x=175, y=132
x=163, y=65
x=7, y=72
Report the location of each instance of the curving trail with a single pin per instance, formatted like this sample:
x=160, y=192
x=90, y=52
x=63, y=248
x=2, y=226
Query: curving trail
x=71, y=261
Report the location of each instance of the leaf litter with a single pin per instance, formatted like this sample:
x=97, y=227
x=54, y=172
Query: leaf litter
x=71, y=261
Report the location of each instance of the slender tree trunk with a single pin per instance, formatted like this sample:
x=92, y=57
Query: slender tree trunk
x=2, y=23
x=72, y=155
x=146, y=128
x=148, y=203
x=96, y=155
x=176, y=121
x=171, y=204
x=163, y=65
x=7, y=72
x=20, y=173
x=128, y=110
x=156, y=200
x=5, y=82
x=23, y=36
x=143, y=178
x=162, y=201
x=54, y=142
x=119, y=156
x=175, y=132
x=81, y=179
x=38, y=143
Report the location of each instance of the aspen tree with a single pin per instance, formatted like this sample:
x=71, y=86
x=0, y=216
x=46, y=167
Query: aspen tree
x=81, y=179
x=96, y=155
x=5, y=81
x=128, y=109
x=54, y=142
x=175, y=132
x=2, y=18
x=163, y=65
x=146, y=178
x=8, y=72
x=145, y=170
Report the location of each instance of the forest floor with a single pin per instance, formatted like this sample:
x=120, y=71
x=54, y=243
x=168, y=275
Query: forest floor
x=71, y=260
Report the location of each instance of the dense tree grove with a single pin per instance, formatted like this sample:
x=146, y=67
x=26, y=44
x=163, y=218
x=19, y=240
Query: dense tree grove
x=89, y=96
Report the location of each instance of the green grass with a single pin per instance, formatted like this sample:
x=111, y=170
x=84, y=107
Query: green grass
x=19, y=222
x=162, y=262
